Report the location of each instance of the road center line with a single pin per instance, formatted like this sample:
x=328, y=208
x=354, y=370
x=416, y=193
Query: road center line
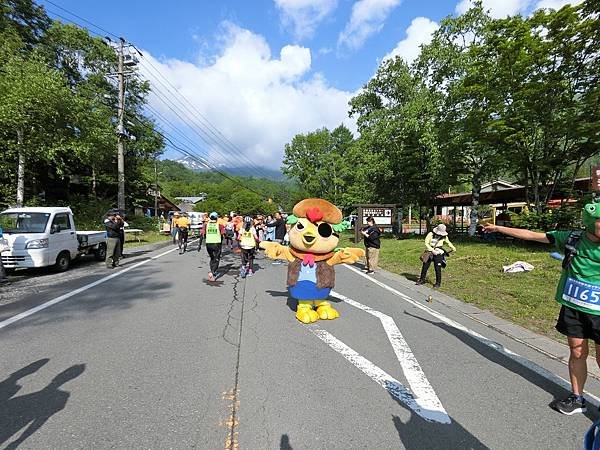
x=381, y=377
x=488, y=342
x=63, y=297
x=424, y=393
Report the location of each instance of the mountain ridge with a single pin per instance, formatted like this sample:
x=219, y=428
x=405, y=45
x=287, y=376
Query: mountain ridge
x=241, y=171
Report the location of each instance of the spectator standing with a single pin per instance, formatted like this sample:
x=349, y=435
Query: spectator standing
x=270, y=235
x=122, y=233
x=371, y=236
x=437, y=246
x=280, y=231
x=113, y=246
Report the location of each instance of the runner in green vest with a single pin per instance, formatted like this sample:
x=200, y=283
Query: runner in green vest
x=578, y=292
x=212, y=233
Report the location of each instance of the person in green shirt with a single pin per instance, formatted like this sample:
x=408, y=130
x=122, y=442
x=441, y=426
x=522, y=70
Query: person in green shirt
x=578, y=292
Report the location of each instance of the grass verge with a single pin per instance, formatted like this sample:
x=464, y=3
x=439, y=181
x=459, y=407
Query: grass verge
x=147, y=237
x=474, y=275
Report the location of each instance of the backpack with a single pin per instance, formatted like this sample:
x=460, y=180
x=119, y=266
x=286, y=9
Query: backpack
x=571, y=247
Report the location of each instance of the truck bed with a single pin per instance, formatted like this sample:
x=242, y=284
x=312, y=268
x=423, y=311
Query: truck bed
x=89, y=238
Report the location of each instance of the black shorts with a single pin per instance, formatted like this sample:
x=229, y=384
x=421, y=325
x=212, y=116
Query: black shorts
x=578, y=324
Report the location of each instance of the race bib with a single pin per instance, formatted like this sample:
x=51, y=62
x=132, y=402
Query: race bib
x=582, y=294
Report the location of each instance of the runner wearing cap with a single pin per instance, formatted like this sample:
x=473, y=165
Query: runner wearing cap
x=437, y=246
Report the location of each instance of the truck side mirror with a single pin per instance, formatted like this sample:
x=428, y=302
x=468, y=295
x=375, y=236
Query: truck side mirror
x=55, y=229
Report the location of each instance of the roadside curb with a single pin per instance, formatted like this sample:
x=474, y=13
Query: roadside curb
x=542, y=344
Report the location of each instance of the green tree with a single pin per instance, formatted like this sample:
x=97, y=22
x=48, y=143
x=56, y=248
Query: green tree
x=33, y=112
x=398, y=147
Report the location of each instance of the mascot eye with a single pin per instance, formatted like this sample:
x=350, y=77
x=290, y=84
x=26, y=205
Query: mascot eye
x=592, y=208
x=299, y=226
x=325, y=230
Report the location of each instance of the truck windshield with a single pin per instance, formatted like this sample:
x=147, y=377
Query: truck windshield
x=23, y=222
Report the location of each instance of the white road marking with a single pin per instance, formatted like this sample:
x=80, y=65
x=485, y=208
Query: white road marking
x=488, y=342
x=56, y=300
x=424, y=393
x=389, y=383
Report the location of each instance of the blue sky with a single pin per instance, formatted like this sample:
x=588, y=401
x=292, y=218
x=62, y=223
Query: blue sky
x=262, y=71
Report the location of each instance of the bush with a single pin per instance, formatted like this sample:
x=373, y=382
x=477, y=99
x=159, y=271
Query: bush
x=553, y=219
x=142, y=222
x=88, y=212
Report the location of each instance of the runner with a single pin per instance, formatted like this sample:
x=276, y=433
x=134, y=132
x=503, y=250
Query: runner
x=229, y=232
x=212, y=233
x=248, y=239
x=578, y=292
x=183, y=227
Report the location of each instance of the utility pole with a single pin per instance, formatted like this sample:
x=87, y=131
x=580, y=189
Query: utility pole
x=156, y=195
x=121, y=131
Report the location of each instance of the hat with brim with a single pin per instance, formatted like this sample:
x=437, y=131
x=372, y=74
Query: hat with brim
x=317, y=209
x=440, y=230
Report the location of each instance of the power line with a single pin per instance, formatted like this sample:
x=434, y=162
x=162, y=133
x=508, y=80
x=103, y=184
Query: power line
x=217, y=133
x=216, y=139
x=219, y=139
x=82, y=18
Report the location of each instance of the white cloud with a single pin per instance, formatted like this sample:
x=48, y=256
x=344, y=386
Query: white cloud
x=556, y=4
x=498, y=8
x=304, y=15
x=258, y=101
x=419, y=32
x=368, y=18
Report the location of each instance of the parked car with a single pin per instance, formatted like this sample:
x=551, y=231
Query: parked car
x=41, y=237
x=352, y=219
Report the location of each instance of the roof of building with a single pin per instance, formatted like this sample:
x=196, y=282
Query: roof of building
x=509, y=195
x=190, y=199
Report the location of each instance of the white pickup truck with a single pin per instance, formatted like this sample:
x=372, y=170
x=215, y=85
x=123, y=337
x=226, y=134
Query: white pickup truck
x=40, y=237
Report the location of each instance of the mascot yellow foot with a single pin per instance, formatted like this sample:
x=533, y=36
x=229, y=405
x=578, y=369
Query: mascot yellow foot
x=326, y=311
x=306, y=313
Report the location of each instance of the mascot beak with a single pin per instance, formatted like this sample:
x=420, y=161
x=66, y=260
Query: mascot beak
x=309, y=238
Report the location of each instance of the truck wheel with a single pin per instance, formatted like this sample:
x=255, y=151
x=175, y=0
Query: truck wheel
x=100, y=252
x=63, y=261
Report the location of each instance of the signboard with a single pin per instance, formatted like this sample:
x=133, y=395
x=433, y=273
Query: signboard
x=596, y=178
x=382, y=216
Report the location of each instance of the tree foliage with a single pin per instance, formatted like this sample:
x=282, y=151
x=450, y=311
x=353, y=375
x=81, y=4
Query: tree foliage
x=57, y=117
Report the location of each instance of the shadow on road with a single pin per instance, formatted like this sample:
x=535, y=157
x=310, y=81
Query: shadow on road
x=410, y=276
x=284, y=443
x=31, y=411
x=417, y=433
x=121, y=293
x=293, y=303
x=505, y=362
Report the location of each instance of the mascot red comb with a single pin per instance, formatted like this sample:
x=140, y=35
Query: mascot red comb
x=314, y=236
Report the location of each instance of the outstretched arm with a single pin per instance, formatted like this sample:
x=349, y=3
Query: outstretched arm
x=347, y=255
x=518, y=233
x=274, y=250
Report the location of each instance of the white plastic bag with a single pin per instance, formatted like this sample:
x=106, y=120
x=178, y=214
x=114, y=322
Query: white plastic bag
x=519, y=266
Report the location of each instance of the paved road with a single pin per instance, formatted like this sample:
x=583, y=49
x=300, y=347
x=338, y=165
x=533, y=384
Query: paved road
x=157, y=357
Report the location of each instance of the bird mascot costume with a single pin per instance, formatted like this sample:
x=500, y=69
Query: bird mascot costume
x=314, y=235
